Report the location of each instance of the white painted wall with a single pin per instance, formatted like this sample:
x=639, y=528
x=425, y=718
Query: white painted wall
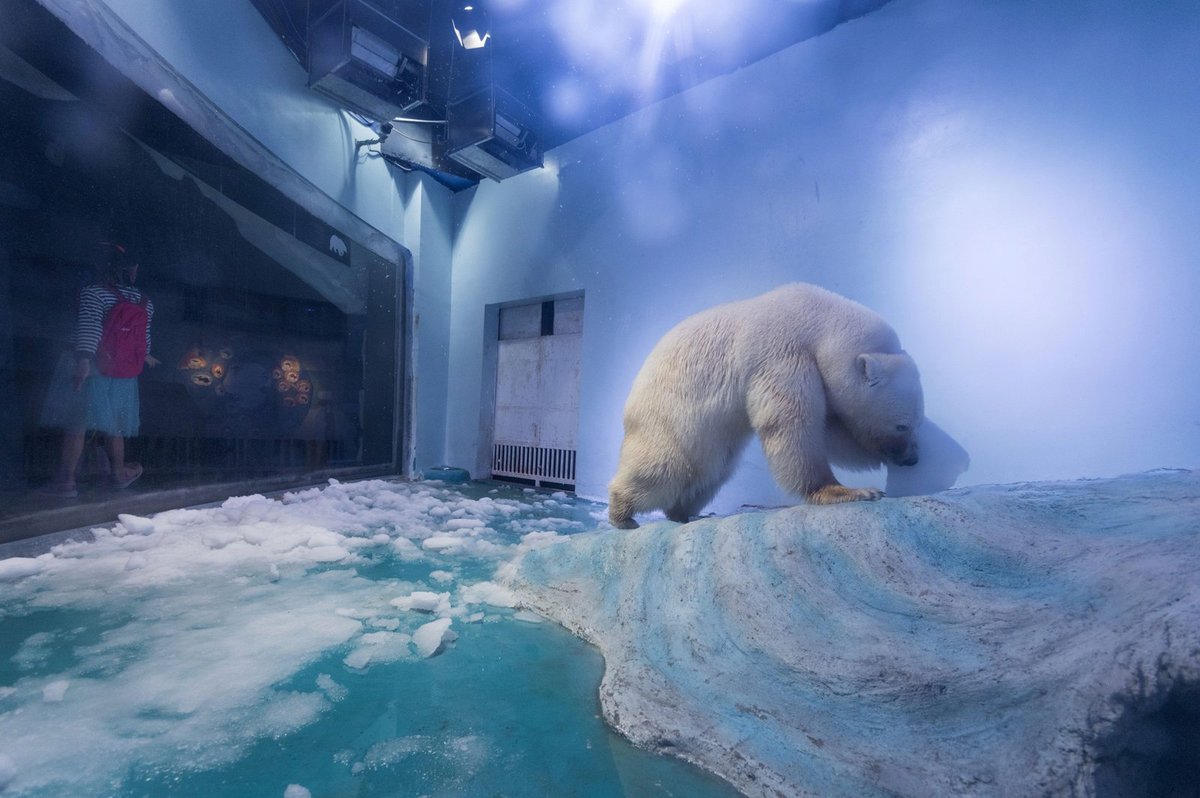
x=1014, y=185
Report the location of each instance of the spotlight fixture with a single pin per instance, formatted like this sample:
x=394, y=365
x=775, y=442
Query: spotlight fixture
x=471, y=25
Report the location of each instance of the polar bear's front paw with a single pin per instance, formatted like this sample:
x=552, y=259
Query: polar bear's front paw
x=836, y=494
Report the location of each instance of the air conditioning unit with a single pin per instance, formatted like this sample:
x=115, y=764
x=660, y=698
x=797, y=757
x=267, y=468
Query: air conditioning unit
x=369, y=57
x=493, y=133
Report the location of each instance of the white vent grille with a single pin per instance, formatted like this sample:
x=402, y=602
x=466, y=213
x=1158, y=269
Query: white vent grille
x=538, y=463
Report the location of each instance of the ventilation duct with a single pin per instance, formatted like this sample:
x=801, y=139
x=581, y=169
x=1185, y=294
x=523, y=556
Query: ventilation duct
x=366, y=57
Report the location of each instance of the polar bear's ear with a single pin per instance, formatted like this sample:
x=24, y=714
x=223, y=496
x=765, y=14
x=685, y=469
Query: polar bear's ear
x=870, y=368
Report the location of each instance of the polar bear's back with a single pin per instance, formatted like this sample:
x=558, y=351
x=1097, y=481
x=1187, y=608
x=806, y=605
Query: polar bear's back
x=708, y=358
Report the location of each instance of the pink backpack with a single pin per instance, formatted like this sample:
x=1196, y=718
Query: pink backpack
x=122, y=349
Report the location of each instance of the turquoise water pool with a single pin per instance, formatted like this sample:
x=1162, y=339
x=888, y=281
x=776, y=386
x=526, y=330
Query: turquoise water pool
x=343, y=641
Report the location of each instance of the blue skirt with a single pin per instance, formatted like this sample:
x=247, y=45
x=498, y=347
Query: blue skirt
x=105, y=404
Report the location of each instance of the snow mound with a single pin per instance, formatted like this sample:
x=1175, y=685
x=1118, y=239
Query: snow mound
x=1039, y=639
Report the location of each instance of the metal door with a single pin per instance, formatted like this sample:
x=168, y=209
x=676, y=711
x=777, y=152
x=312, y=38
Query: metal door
x=537, y=392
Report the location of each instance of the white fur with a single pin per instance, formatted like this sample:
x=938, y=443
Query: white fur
x=818, y=377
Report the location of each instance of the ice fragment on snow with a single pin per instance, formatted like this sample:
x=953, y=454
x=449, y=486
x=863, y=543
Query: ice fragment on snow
x=54, y=691
x=328, y=554
x=528, y=617
x=219, y=538
x=135, y=524
x=21, y=567
x=540, y=540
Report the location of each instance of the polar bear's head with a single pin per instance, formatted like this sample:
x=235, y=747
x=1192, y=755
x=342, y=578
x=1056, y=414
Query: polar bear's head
x=886, y=406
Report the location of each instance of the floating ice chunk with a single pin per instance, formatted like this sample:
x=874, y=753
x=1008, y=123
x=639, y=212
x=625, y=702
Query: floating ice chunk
x=381, y=539
x=558, y=494
x=54, y=691
x=464, y=523
x=332, y=689
x=135, y=524
x=488, y=593
x=296, y=791
x=406, y=550
x=429, y=638
x=389, y=752
x=441, y=576
x=378, y=647
x=423, y=601
x=21, y=567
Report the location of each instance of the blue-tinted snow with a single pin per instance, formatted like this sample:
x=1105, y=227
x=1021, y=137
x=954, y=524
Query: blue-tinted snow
x=1034, y=639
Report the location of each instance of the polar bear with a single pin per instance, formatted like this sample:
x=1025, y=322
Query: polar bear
x=820, y=378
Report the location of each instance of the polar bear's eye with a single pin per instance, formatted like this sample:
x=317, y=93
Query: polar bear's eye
x=902, y=428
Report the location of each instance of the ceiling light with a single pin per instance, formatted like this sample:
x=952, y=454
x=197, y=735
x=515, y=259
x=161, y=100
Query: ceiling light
x=471, y=25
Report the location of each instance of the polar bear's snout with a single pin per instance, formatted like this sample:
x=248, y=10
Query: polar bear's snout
x=902, y=451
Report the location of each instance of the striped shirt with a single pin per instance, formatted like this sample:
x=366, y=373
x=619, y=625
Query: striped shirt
x=94, y=303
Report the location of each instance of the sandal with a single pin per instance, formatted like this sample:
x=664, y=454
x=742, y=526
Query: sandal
x=137, y=472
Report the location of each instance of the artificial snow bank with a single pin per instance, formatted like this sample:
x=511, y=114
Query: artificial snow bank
x=1039, y=639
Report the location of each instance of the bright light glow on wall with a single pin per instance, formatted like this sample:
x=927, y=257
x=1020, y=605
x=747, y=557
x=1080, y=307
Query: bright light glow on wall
x=630, y=45
x=662, y=8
